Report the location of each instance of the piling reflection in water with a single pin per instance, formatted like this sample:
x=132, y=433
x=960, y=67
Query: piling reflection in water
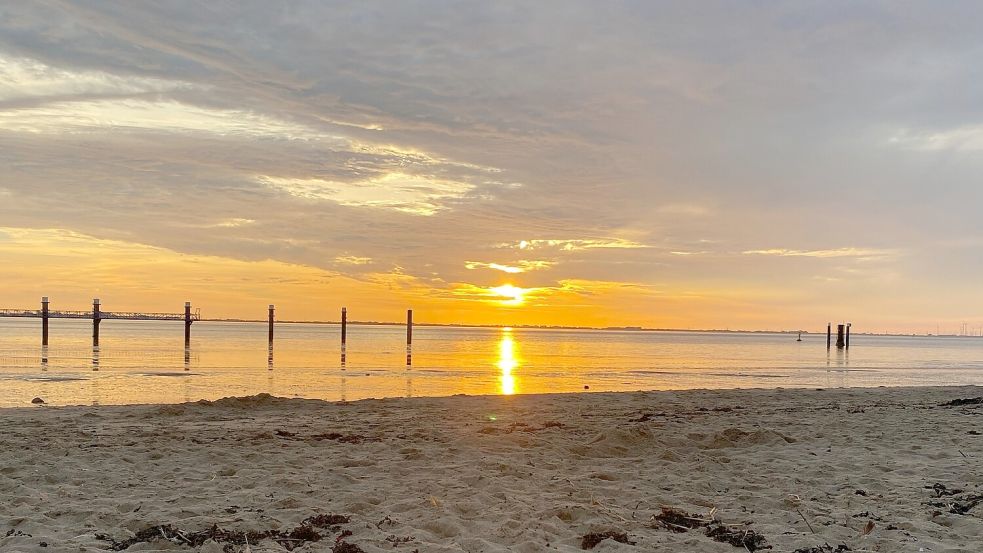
x=269, y=358
x=44, y=357
x=187, y=358
x=95, y=358
x=409, y=355
x=507, y=362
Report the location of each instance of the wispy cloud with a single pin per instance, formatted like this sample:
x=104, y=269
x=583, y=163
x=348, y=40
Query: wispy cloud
x=966, y=138
x=414, y=194
x=521, y=266
x=832, y=253
x=25, y=78
x=353, y=260
x=573, y=244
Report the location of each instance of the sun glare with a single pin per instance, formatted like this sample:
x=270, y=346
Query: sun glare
x=514, y=294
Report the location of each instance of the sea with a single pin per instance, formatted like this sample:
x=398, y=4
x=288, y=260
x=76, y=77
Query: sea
x=147, y=362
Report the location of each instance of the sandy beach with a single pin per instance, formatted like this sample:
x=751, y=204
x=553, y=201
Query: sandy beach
x=891, y=469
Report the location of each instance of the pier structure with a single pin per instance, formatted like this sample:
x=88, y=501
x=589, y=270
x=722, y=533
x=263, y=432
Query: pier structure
x=97, y=315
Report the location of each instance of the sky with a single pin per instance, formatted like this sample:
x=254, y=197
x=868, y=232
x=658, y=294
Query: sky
x=741, y=165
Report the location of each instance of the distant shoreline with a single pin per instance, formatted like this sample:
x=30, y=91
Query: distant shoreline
x=594, y=328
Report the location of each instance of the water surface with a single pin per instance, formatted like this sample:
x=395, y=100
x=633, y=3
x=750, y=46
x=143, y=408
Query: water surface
x=145, y=361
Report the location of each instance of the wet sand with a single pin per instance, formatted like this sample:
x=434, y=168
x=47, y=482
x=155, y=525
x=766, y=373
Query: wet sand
x=887, y=469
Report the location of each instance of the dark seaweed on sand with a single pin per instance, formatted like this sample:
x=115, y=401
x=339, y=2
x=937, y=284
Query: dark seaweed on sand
x=296, y=537
x=590, y=541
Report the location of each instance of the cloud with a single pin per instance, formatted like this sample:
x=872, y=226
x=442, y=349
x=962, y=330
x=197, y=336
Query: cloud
x=234, y=222
x=833, y=253
x=24, y=78
x=414, y=194
x=967, y=138
x=353, y=260
x=520, y=266
x=573, y=244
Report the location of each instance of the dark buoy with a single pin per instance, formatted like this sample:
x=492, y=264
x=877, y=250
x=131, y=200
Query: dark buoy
x=37, y=401
x=586, y=387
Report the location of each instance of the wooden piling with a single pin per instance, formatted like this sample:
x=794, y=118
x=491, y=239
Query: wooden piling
x=344, y=326
x=840, y=329
x=187, y=325
x=96, y=318
x=271, y=325
x=44, y=321
x=409, y=337
x=848, y=325
x=829, y=335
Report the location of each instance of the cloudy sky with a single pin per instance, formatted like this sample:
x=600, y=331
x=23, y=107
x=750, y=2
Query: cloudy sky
x=694, y=164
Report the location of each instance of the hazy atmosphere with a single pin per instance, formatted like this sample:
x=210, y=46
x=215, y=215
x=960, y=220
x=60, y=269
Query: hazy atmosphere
x=706, y=166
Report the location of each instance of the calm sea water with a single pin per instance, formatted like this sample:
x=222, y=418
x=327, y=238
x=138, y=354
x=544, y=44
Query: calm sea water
x=145, y=361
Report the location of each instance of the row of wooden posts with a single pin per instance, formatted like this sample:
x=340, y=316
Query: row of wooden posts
x=189, y=318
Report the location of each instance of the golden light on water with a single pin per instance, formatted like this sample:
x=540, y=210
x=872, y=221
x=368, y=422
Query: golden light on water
x=507, y=361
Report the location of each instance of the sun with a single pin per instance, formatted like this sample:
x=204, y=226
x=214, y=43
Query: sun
x=514, y=294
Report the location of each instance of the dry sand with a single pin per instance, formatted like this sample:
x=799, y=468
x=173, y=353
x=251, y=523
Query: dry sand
x=524, y=473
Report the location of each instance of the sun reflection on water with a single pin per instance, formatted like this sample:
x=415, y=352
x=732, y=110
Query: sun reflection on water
x=507, y=361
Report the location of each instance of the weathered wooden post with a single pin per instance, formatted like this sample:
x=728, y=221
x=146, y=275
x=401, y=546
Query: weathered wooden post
x=269, y=359
x=187, y=325
x=344, y=326
x=344, y=335
x=44, y=321
x=848, y=325
x=840, y=328
x=96, y=318
x=409, y=337
x=409, y=327
x=829, y=335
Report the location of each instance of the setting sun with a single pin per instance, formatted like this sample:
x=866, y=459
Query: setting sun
x=514, y=294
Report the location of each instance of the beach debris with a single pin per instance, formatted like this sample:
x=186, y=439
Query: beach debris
x=306, y=531
x=861, y=492
x=388, y=521
x=737, y=536
x=941, y=490
x=956, y=501
x=326, y=521
x=962, y=402
x=398, y=540
x=590, y=540
x=344, y=438
x=37, y=401
x=520, y=426
x=868, y=528
x=335, y=436
x=679, y=521
x=345, y=547
x=741, y=535
x=825, y=548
